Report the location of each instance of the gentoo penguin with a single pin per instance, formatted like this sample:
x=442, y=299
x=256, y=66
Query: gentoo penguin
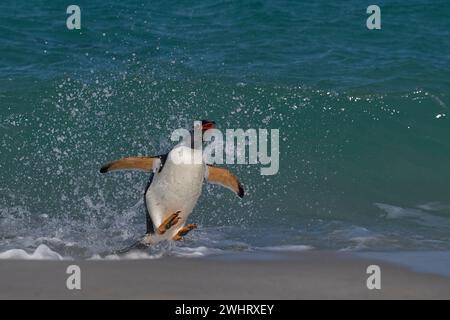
x=175, y=186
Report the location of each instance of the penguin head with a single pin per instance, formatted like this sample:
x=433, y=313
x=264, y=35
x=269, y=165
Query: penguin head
x=203, y=125
x=207, y=124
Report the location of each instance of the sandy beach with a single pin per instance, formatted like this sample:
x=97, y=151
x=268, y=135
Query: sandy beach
x=305, y=275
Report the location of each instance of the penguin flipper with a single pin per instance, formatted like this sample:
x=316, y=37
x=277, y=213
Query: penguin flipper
x=225, y=178
x=139, y=163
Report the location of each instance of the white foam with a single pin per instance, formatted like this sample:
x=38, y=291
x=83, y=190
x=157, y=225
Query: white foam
x=201, y=251
x=182, y=252
x=42, y=252
x=287, y=248
x=132, y=255
x=434, y=206
x=361, y=243
x=417, y=215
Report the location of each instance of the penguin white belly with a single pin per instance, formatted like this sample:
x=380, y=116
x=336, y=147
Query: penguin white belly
x=176, y=188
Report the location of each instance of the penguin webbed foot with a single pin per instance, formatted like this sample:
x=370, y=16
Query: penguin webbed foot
x=184, y=231
x=169, y=222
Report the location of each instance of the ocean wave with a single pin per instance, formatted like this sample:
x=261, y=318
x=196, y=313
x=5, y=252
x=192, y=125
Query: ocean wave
x=44, y=252
x=419, y=216
x=40, y=253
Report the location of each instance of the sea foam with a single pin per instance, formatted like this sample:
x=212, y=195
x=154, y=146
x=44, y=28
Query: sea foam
x=42, y=252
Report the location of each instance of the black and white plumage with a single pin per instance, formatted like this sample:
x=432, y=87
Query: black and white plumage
x=174, y=187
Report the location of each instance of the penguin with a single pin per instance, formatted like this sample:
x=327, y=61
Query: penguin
x=174, y=186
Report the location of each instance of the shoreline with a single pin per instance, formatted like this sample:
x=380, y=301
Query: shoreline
x=296, y=275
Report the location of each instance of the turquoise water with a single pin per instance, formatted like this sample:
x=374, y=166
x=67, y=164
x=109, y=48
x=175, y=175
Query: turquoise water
x=363, y=118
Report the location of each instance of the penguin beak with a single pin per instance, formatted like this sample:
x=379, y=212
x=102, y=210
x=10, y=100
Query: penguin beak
x=206, y=125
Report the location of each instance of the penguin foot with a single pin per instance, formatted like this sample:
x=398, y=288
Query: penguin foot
x=169, y=222
x=184, y=231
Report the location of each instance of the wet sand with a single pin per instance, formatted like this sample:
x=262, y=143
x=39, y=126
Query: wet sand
x=305, y=275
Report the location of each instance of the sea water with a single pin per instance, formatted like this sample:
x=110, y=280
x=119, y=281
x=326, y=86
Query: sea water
x=363, y=118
